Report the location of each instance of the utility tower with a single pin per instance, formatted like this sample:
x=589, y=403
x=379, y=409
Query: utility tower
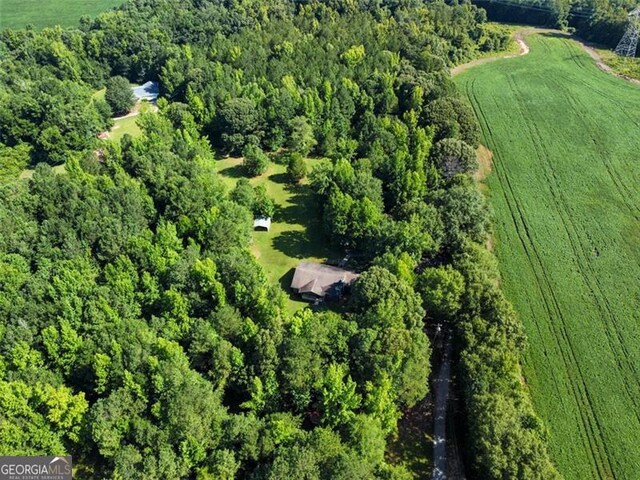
x=629, y=43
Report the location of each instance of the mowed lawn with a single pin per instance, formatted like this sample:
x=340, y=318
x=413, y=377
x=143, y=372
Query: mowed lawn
x=565, y=191
x=123, y=126
x=48, y=13
x=296, y=233
x=129, y=125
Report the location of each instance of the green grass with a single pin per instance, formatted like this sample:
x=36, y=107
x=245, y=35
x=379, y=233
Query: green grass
x=565, y=190
x=124, y=125
x=296, y=231
x=120, y=127
x=48, y=13
x=28, y=173
x=512, y=47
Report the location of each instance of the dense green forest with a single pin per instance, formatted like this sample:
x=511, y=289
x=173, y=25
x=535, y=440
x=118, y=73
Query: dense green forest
x=600, y=21
x=137, y=331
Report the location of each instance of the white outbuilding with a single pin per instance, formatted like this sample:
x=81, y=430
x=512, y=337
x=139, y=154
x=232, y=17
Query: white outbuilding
x=262, y=223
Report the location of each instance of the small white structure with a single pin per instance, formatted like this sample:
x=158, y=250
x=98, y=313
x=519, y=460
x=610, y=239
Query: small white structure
x=262, y=223
x=149, y=91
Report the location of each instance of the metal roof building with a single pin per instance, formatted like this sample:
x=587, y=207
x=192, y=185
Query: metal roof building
x=148, y=91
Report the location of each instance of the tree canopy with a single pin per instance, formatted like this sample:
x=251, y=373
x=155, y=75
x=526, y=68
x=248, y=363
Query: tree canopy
x=118, y=95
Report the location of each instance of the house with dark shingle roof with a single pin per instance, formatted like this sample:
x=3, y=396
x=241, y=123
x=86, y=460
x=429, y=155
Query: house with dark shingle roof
x=316, y=281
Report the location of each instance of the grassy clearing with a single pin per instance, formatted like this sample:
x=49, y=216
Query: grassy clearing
x=124, y=125
x=28, y=173
x=564, y=189
x=512, y=47
x=296, y=232
x=120, y=127
x=48, y=13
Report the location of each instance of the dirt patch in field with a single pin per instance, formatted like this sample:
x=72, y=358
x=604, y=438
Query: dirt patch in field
x=490, y=242
x=485, y=163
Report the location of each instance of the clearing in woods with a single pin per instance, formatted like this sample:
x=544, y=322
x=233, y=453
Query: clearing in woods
x=296, y=233
x=565, y=191
x=48, y=13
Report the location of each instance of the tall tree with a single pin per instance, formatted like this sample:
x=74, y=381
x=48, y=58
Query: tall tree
x=119, y=95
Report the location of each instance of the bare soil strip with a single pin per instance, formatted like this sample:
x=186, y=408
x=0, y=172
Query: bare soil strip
x=601, y=64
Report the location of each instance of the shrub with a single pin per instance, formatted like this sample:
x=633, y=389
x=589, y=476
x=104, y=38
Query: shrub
x=263, y=206
x=297, y=168
x=255, y=160
x=453, y=156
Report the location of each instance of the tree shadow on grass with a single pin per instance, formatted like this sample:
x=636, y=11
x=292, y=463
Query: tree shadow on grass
x=555, y=35
x=236, y=171
x=412, y=445
x=303, y=208
x=296, y=244
x=281, y=178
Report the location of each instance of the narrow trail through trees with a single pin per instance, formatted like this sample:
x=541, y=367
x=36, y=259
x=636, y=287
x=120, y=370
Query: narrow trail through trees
x=441, y=384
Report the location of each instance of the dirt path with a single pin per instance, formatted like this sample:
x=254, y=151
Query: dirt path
x=518, y=37
x=601, y=63
x=136, y=111
x=441, y=394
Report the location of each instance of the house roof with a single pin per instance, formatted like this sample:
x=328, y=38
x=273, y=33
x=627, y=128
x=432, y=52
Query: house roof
x=147, y=91
x=318, y=278
x=262, y=222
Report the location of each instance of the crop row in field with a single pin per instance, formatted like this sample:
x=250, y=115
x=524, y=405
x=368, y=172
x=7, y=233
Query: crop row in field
x=567, y=216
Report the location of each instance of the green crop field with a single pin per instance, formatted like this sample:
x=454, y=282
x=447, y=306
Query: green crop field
x=296, y=233
x=565, y=191
x=48, y=13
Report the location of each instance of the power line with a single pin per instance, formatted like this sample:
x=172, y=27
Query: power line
x=539, y=8
x=583, y=13
x=629, y=42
